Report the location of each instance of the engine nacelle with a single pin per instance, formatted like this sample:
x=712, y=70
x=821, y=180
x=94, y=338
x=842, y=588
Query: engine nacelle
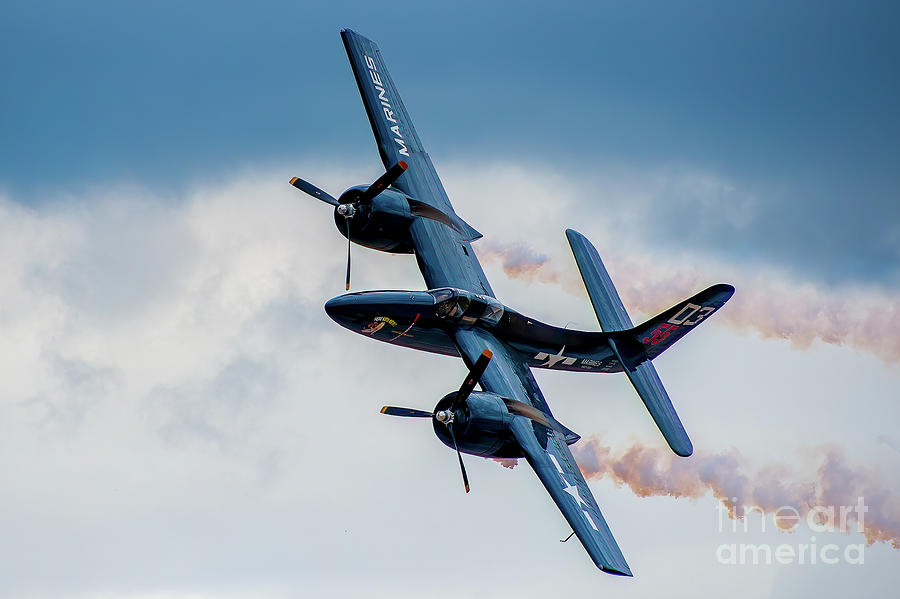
x=382, y=224
x=481, y=426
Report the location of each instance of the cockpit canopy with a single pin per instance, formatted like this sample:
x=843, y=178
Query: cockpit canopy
x=465, y=307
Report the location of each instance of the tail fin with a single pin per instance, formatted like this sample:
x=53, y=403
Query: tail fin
x=643, y=343
x=660, y=332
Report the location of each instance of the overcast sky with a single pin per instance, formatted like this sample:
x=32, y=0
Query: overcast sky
x=179, y=418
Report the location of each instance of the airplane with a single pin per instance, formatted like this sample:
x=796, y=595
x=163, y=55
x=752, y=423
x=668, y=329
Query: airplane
x=407, y=211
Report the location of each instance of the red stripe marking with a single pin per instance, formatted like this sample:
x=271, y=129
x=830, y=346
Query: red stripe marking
x=406, y=331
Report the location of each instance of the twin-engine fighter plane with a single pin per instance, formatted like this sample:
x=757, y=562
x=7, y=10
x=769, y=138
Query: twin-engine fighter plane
x=407, y=211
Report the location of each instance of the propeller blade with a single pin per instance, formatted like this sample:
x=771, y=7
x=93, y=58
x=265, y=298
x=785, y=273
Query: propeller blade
x=407, y=412
x=307, y=187
x=349, y=243
x=382, y=182
x=474, y=376
x=462, y=466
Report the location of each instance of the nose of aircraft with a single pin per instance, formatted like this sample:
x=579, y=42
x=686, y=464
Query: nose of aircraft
x=339, y=306
x=353, y=308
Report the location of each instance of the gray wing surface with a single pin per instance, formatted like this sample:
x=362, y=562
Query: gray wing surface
x=545, y=449
x=444, y=254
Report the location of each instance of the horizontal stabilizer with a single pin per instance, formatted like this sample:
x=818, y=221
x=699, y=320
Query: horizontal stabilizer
x=608, y=306
x=657, y=335
x=634, y=347
x=651, y=391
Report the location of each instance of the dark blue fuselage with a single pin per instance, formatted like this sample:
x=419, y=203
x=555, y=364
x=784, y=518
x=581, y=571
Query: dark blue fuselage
x=425, y=320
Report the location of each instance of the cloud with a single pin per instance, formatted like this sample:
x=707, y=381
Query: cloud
x=151, y=346
x=815, y=236
x=179, y=416
x=890, y=442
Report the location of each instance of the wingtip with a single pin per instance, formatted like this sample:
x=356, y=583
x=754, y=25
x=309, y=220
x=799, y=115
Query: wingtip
x=384, y=409
x=574, y=237
x=294, y=180
x=624, y=571
x=684, y=450
x=678, y=440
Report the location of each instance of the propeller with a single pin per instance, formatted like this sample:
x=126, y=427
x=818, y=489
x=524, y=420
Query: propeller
x=462, y=467
x=314, y=191
x=349, y=209
x=475, y=374
x=405, y=412
x=448, y=416
x=382, y=182
x=349, y=244
x=355, y=200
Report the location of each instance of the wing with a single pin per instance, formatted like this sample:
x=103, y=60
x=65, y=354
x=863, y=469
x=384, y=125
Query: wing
x=394, y=132
x=556, y=467
x=444, y=254
x=544, y=448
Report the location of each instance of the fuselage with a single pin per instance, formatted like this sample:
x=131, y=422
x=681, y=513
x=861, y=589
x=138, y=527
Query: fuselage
x=424, y=320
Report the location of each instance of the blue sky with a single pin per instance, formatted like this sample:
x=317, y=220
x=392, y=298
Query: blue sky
x=794, y=104
x=162, y=333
